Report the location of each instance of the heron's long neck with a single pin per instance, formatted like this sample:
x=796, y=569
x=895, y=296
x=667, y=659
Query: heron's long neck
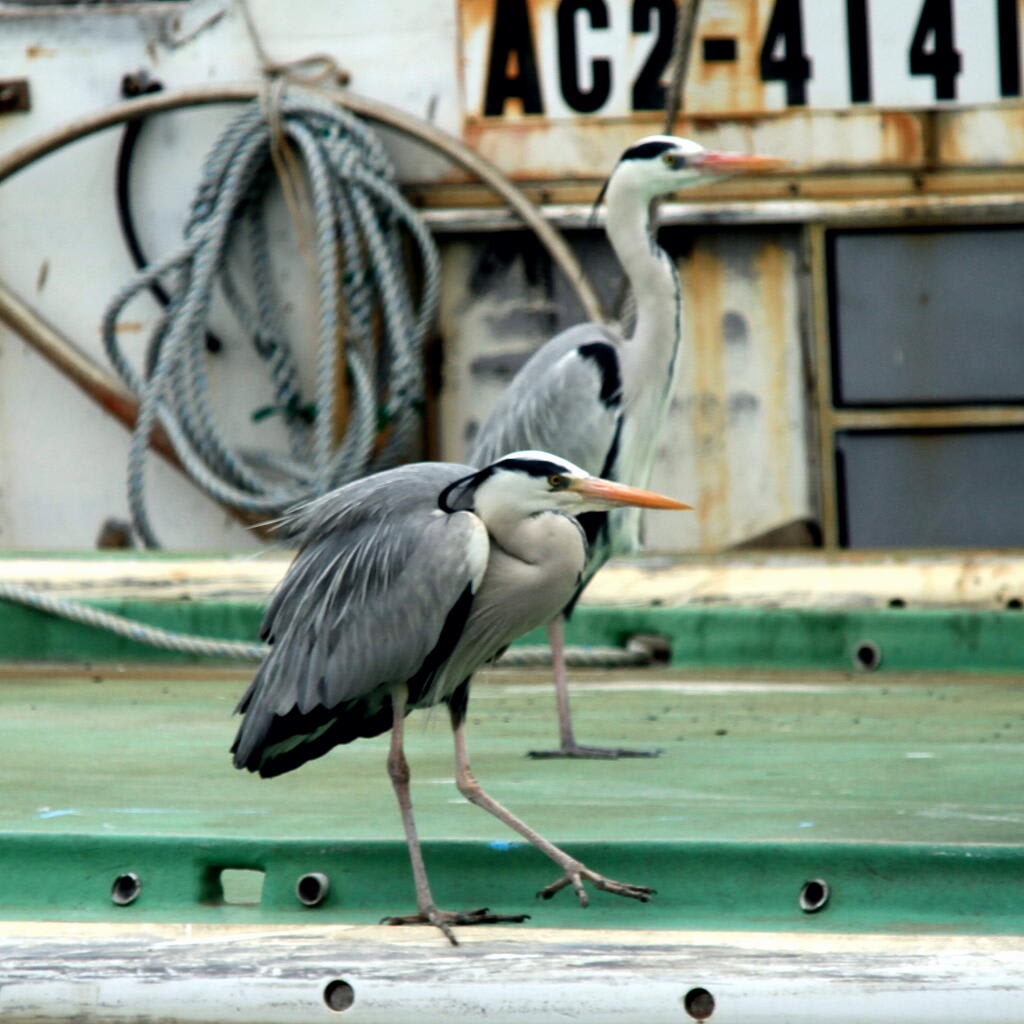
x=534, y=539
x=654, y=281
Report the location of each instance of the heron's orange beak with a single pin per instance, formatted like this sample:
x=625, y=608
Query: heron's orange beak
x=620, y=494
x=739, y=163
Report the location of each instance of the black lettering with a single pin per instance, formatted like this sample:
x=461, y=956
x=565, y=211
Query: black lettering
x=941, y=61
x=1009, y=47
x=782, y=52
x=511, y=37
x=719, y=48
x=857, y=37
x=568, y=57
x=648, y=92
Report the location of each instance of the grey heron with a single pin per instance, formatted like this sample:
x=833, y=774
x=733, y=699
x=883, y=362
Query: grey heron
x=599, y=398
x=407, y=582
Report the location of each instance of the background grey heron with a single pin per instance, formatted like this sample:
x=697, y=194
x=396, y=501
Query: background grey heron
x=406, y=583
x=600, y=398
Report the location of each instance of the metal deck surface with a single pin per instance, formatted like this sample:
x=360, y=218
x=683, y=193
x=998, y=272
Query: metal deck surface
x=909, y=759
x=903, y=793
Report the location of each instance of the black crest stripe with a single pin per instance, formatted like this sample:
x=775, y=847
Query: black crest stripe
x=645, y=150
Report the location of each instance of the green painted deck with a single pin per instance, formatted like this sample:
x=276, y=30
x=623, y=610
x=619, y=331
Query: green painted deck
x=904, y=792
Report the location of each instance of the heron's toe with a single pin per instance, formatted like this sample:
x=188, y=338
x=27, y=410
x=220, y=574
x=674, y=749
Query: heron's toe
x=576, y=877
x=444, y=919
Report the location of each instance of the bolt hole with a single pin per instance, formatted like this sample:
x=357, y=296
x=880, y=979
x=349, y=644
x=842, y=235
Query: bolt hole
x=339, y=995
x=699, y=1003
x=126, y=889
x=312, y=889
x=814, y=894
x=867, y=656
x=1015, y=604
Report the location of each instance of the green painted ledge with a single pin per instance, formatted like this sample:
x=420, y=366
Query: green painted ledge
x=875, y=887
x=907, y=640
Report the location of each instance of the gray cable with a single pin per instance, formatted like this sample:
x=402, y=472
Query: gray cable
x=361, y=228
x=186, y=643
x=118, y=624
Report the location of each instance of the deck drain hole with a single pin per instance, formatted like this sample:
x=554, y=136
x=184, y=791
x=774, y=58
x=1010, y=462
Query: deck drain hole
x=1014, y=604
x=814, y=895
x=699, y=1003
x=126, y=888
x=656, y=647
x=312, y=889
x=897, y=602
x=867, y=656
x=241, y=887
x=339, y=995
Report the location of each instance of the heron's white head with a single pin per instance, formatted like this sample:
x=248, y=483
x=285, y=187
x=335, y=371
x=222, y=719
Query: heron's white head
x=659, y=164
x=524, y=483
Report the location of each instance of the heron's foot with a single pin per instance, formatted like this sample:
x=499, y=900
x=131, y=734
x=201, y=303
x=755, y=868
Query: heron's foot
x=576, y=873
x=444, y=919
x=593, y=753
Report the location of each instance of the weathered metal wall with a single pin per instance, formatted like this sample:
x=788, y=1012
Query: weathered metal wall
x=868, y=139
x=736, y=444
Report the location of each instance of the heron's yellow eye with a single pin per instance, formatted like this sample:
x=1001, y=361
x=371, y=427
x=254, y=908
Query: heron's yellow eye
x=557, y=482
x=668, y=159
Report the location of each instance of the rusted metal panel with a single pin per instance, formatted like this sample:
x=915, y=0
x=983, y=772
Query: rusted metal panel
x=736, y=440
x=543, y=149
x=735, y=443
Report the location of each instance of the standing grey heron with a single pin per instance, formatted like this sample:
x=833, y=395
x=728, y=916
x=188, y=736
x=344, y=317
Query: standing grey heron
x=600, y=398
x=405, y=584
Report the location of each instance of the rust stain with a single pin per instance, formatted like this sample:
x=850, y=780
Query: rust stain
x=747, y=67
x=702, y=276
x=35, y=50
x=735, y=85
x=902, y=138
x=950, y=135
x=475, y=15
x=129, y=326
x=774, y=274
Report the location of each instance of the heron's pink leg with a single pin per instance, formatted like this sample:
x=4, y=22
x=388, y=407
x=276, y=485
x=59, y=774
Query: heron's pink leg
x=574, y=871
x=398, y=770
x=567, y=745
x=556, y=638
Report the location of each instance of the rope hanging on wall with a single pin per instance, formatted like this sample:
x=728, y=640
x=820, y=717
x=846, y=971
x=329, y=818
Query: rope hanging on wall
x=361, y=230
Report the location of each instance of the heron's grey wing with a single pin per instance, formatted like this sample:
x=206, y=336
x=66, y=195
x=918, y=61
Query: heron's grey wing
x=381, y=587
x=566, y=400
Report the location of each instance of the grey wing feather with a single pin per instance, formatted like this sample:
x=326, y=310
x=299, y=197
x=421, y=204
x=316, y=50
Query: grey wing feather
x=555, y=404
x=367, y=597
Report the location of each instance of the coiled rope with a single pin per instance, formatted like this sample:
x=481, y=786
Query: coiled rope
x=357, y=208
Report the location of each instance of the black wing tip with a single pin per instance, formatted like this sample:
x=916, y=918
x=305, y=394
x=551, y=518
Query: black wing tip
x=604, y=356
